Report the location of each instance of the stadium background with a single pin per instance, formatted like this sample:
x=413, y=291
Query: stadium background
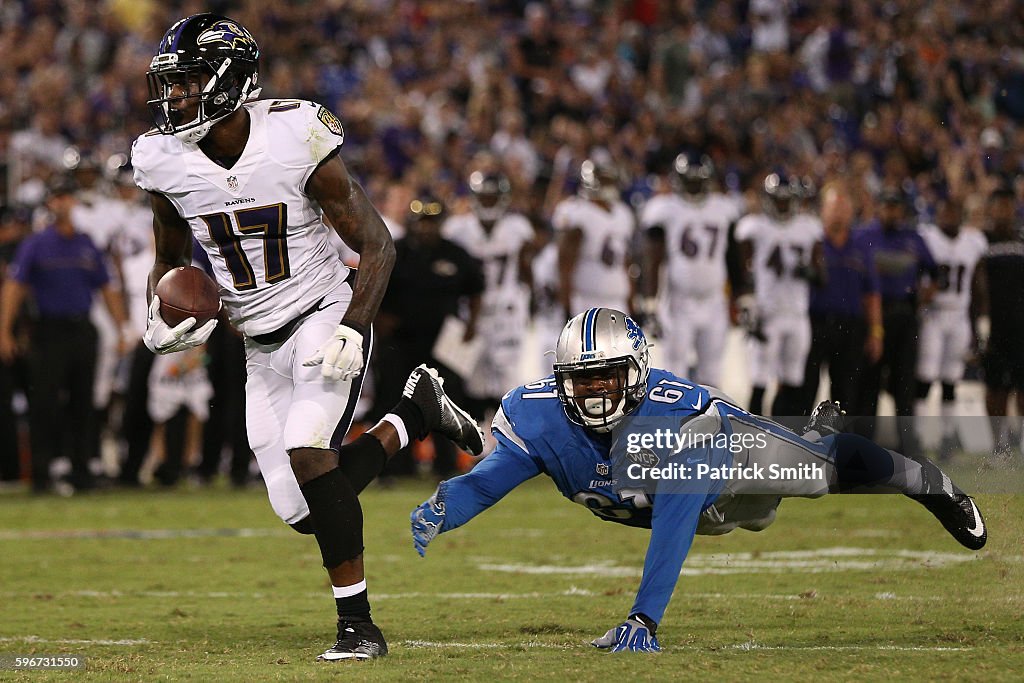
x=926, y=95
x=921, y=95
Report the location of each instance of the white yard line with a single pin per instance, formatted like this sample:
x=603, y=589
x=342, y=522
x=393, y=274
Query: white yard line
x=73, y=641
x=820, y=560
x=138, y=534
x=738, y=647
x=570, y=592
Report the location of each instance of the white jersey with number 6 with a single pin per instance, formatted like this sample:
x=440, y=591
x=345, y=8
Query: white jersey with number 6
x=600, y=278
x=266, y=238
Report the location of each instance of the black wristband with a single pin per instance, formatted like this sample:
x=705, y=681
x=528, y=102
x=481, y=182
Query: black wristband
x=651, y=625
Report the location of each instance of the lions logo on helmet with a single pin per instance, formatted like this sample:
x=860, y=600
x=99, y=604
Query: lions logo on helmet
x=601, y=347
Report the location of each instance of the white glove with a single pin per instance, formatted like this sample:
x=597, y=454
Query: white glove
x=161, y=338
x=341, y=355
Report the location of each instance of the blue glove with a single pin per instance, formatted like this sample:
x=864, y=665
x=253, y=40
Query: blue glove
x=427, y=520
x=632, y=635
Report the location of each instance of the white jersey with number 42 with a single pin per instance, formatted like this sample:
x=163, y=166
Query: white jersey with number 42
x=266, y=238
x=780, y=248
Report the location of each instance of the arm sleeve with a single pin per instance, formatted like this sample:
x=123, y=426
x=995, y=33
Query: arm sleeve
x=467, y=496
x=323, y=133
x=673, y=526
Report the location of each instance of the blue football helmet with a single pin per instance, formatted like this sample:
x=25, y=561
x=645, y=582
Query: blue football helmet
x=606, y=342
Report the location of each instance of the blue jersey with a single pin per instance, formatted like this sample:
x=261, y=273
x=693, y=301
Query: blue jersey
x=534, y=436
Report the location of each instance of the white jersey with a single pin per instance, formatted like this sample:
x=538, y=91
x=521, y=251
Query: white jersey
x=696, y=238
x=266, y=238
x=505, y=308
x=957, y=258
x=600, y=278
x=498, y=250
x=133, y=245
x=779, y=248
x=92, y=215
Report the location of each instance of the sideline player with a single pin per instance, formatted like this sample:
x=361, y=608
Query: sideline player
x=593, y=232
x=782, y=249
x=252, y=180
x=501, y=239
x=945, y=321
x=572, y=425
x=687, y=231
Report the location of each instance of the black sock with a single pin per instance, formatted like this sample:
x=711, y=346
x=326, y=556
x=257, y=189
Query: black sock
x=354, y=607
x=412, y=416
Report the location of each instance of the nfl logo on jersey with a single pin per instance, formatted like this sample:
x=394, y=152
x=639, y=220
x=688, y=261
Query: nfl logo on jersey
x=232, y=183
x=602, y=469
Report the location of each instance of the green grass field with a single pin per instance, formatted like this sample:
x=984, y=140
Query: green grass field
x=208, y=585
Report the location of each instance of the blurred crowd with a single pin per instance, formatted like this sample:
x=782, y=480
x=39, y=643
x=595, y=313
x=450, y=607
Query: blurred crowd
x=923, y=97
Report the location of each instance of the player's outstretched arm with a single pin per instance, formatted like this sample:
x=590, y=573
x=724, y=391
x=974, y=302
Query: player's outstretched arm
x=173, y=238
x=673, y=526
x=362, y=229
x=459, y=500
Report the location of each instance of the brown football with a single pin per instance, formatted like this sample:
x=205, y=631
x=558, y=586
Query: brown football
x=187, y=292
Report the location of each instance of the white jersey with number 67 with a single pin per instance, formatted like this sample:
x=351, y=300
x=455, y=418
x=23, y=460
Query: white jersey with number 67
x=265, y=237
x=696, y=238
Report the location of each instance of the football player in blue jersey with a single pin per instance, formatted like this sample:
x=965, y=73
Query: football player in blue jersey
x=643, y=447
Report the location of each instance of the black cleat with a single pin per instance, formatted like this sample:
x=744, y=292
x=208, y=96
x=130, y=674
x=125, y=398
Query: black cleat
x=952, y=507
x=826, y=419
x=440, y=414
x=357, y=641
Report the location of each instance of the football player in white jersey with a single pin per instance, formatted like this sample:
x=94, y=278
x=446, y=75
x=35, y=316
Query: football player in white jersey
x=688, y=232
x=501, y=240
x=781, y=248
x=252, y=181
x=945, y=322
x=594, y=231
